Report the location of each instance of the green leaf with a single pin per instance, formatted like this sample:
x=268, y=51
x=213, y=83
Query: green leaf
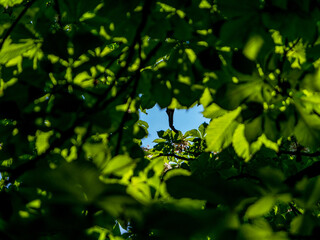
x=60, y=48
x=244, y=149
x=302, y=224
x=192, y=133
x=253, y=47
x=42, y=142
x=307, y=130
x=10, y=3
x=202, y=129
x=220, y=131
x=259, y=229
x=312, y=193
x=232, y=95
x=68, y=183
x=161, y=94
x=240, y=143
x=260, y=207
x=235, y=8
x=270, y=128
x=159, y=140
x=182, y=28
x=253, y=129
x=72, y=10
x=268, y=143
x=272, y=177
x=210, y=59
x=229, y=31
x=206, y=98
x=280, y=3
x=252, y=111
x=10, y=51
x=287, y=121
x=213, y=111
x=161, y=133
x=84, y=41
x=241, y=63
x=119, y=165
x=188, y=187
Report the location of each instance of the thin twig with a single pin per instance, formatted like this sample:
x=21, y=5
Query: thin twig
x=314, y=154
x=310, y=172
x=176, y=156
x=244, y=175
x=295, y=210
x=57, y=8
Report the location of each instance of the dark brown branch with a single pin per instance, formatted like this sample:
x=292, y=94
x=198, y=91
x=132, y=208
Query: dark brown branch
x=244, y=175
x=310, y=172
x=314, y=154
x=176, y=156
x=295, y=210
x=57, y=8
x=281, y=82
x=14, y=24
x=170, y=113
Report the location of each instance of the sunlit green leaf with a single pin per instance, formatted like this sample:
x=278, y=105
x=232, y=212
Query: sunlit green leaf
x=10, y=3
x=213, y=111
x=260, y=207
x=253, y=129
x=186, y=187
x=232, y=95
x=13, y=50
x=119, y=165
x=253, y=46
x=302, y=224
x=42, y=143
x=240, y=143
x=220, y=131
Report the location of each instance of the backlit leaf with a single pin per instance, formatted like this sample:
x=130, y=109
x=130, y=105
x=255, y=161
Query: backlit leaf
x=260, y=207
x=220, y=131
x=14, y=50
x=42, y=143
x=119, y=165
x=10, y=3
x=240, y=143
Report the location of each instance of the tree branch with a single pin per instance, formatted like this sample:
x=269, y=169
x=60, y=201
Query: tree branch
x=57, y=8
x=176, y=156
x=314, y=154
x=244, y=175
x=170, y=113
x=310, y=172
x=295, y=210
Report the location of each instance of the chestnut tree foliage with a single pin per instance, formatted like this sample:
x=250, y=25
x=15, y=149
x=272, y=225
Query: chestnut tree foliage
x=74, y=77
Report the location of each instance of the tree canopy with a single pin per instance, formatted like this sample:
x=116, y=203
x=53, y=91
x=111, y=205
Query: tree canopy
x=74, y=77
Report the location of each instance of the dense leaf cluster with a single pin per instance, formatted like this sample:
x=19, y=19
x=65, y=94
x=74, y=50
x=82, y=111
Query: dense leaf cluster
x=74, y=77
